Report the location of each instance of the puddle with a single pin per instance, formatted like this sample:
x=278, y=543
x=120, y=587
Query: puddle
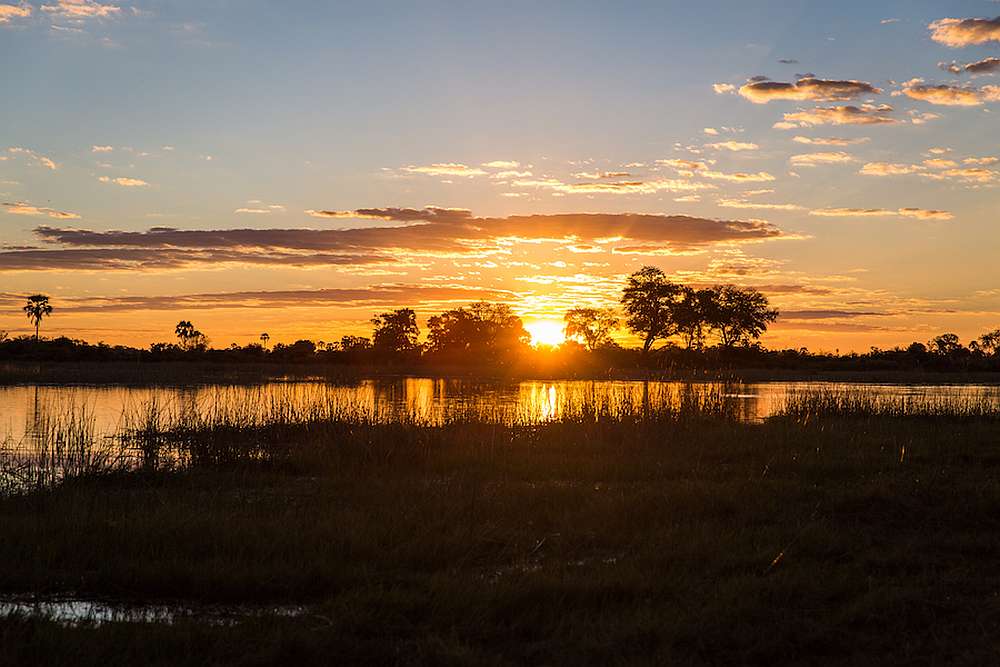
x=71, y=611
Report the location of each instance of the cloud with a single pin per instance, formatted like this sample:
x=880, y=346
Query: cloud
x=788, y=61
x=818, y=90
x=738, y=177
x=813, y=159
x=9, y=12
x=948, y=95
x=957, y=33
x=888, y=21
x=81, y=9
x=445, y=169
x=260, y=211
x=23, y=208
x=39, y=159
x=683, y=165
x=723, y=88
x=124, y=181
x=651, y=186
x=502, y=164
x=984, y=66
x=889, y=169
x=381, y=296
x=101, y=149
x=734, y=146
x=981, y=160
x=939, y=163
x=829, y=141
x=866, y=114
x=742, y=203
x=599, y=175
x=711, y=131
x=430, y=231
x=919, y=213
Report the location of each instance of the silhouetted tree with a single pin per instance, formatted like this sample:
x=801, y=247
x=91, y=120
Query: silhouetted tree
x=488, y=329
x=189, y=337
x=739, y=315
x=651, y=305
x=264, y=338
x=989, y=342
x=355, y=343
x=947, y=344
x=37, y=308
x=396, y=332
x=591, y=325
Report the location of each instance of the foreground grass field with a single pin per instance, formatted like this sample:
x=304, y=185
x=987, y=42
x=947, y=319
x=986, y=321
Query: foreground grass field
x=837, y=534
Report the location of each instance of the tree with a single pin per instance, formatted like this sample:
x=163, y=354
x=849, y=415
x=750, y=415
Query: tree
x=946, y=344
x=355, y=343
x=37, y=308
x=396, y=332
x=189, y=337
x=592, y=325
x=651, y=305
x=264, y=338
x=989, y=342
x=739, y=315
x=491, y=330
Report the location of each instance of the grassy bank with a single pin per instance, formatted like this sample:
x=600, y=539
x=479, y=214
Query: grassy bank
x=847, y=531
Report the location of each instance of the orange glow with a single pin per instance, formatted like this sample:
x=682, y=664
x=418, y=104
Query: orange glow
x=546, y=332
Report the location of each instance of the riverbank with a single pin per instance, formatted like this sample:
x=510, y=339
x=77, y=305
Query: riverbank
x=194, y=372
x=840, y=534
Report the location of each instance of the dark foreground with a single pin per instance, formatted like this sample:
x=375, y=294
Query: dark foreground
x=810, y=540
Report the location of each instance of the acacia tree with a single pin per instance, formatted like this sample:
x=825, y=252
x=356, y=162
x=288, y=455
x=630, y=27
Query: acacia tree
x=652, y=304
x=36, y=309
x=989, y=342
x=491, y=330
x=592, y=325
x=396, y=332
x=740, y=315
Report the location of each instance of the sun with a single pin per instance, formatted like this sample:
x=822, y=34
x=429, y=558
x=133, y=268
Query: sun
x=546, y=332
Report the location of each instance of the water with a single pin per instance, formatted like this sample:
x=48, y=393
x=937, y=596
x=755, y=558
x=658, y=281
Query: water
x=27, y=411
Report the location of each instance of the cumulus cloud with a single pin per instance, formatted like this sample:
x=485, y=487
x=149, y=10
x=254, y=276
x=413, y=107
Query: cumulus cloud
x=919, y=213
x=813, y=159
x=23, y=208
x=734, y=146
x=444, y=169
x=809, y=88
x=723, y=88
x=829, y=141
x=957, y=33
x=10, y=12
x=430, y=231
x=866, y=114
x=124, y=181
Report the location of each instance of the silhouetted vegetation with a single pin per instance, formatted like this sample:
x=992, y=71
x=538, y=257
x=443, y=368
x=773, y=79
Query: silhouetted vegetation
x=679, y=329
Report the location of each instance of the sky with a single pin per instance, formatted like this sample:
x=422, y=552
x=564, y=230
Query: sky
x=297, y=168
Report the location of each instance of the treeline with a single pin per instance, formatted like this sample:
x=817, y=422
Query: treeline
x=677, y=326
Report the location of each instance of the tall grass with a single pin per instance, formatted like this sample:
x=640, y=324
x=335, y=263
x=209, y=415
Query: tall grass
x=870, y=403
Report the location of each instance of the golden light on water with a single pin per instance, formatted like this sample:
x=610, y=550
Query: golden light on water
x=546, y=332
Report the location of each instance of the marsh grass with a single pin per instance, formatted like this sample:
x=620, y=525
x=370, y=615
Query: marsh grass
x=844, y=531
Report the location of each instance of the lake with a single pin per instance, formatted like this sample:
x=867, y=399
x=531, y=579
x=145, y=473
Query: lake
x=106, y=410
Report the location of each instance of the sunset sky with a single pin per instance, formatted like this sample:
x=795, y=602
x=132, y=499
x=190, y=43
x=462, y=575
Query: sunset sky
x=296, y=168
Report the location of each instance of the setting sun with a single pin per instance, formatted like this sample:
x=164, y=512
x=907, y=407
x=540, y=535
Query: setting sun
x=546, y=332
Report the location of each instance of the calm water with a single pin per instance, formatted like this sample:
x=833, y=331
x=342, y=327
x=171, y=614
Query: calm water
x=25, y=410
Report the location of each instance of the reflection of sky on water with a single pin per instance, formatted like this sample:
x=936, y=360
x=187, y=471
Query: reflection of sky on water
x=25, y=410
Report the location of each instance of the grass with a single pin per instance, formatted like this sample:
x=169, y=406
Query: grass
x=847, y=530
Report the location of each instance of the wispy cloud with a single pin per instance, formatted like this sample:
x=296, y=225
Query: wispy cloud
x=813, y=159
x=735, y=146
x=919, y=213
x=829, y=141
x=984, y=66
x=866, y=114
x=10, y=12
x=949, y=95
x=38, y=158
x=124, y=181
x=23, y=208
x=444, y=169
x=81, y=9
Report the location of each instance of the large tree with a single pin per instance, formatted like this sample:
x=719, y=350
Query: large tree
x=740, y=315
x=491, y=330
x=396, y=332
x=591, y=325
x=37, y=308
x=652, y=304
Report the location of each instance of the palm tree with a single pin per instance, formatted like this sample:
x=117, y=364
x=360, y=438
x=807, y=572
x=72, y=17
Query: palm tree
x=38, y=307
x=263, y=339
